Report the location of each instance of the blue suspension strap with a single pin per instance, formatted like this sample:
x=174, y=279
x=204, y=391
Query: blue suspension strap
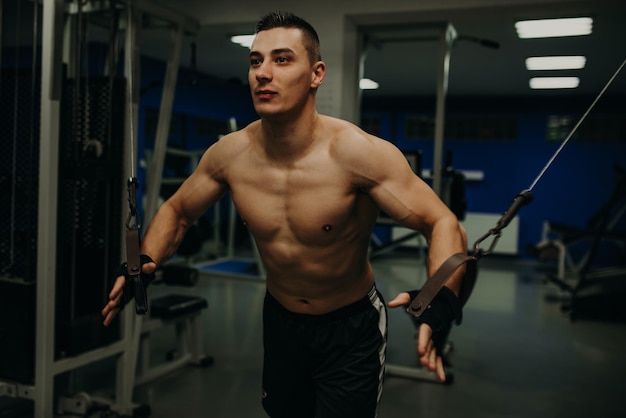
x=433, y=286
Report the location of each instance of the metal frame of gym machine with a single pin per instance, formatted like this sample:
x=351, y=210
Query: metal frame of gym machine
x=55, y=48
x=447, y=37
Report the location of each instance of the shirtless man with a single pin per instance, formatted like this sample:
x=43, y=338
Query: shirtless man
x=310, y=188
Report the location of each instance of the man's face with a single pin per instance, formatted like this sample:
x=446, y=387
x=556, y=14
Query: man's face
x=281, y=75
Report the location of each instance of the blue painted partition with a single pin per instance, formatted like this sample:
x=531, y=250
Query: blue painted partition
x=575, y=186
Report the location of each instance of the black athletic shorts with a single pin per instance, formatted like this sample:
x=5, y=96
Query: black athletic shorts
x=324, y=366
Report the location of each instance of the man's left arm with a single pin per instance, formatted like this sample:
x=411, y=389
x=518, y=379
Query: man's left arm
x=412, y=203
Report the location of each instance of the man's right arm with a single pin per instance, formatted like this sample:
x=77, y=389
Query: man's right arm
x=202, y=189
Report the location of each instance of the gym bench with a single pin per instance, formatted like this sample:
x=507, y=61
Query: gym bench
x=184, y=312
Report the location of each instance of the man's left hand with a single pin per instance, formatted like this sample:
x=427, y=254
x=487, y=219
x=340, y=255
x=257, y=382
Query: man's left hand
x=428, y=355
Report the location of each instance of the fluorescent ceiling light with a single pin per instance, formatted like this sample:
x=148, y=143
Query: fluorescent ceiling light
x=367, y=84
x=243, y=40
x=549, y=28
x=556, y=63
x=554, y=82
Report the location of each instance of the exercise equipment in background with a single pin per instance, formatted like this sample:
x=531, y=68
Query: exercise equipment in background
x=588, y=264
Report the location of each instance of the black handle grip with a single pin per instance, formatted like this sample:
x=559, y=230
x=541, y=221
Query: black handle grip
x=134, y=271
x=141, y=296
x=523, y=198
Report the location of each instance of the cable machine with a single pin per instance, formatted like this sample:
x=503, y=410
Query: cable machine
x=61, y=56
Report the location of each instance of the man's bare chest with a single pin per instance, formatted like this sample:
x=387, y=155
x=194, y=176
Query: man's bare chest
x=305, y=203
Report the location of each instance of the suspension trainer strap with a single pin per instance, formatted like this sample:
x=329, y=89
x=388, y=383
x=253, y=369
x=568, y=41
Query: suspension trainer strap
x=133, y=259
x=433, y=285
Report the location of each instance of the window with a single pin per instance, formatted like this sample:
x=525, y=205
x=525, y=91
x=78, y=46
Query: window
x=595, y=128
x=463, y=127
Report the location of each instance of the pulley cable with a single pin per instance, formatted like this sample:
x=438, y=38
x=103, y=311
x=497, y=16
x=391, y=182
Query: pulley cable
x=525, y=196
x=558, y=151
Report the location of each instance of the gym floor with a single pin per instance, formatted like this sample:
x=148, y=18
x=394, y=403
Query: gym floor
x=515, y=355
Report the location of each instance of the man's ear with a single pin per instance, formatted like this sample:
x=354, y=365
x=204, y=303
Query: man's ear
x=319, y=71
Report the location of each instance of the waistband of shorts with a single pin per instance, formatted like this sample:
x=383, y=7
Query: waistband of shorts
x=360, y=305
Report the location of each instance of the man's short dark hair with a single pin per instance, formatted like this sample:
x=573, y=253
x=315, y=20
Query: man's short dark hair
x=282, y=19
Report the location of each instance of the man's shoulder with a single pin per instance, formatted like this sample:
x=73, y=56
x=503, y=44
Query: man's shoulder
x=222, y=154
x=340, y=125
x=364, y=154
x=350, y=137
x=235, y=141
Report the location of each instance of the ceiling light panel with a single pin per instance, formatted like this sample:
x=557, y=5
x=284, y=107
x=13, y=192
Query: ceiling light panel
x=572, y=62
x=550, y=28
x=554, y=82
x=367, y=84
x=243, y=40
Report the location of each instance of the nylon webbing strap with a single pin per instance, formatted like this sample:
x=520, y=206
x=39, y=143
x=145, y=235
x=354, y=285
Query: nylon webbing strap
x=134, y=271
x=433, y=285
x=133, y=258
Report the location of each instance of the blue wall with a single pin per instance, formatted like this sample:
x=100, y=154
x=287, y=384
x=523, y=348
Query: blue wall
x=196, y=97
x=571, y=190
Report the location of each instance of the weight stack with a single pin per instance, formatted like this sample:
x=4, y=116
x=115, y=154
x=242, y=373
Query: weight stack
x=19, y=173
x=91, y=188
x=19, y=182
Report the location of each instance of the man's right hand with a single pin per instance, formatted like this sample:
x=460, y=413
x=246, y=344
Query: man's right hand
x=114, y=306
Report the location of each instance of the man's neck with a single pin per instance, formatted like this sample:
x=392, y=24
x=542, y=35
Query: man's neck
x=289, y=138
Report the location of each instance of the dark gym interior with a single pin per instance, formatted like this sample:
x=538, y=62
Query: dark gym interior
x=93, y=92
